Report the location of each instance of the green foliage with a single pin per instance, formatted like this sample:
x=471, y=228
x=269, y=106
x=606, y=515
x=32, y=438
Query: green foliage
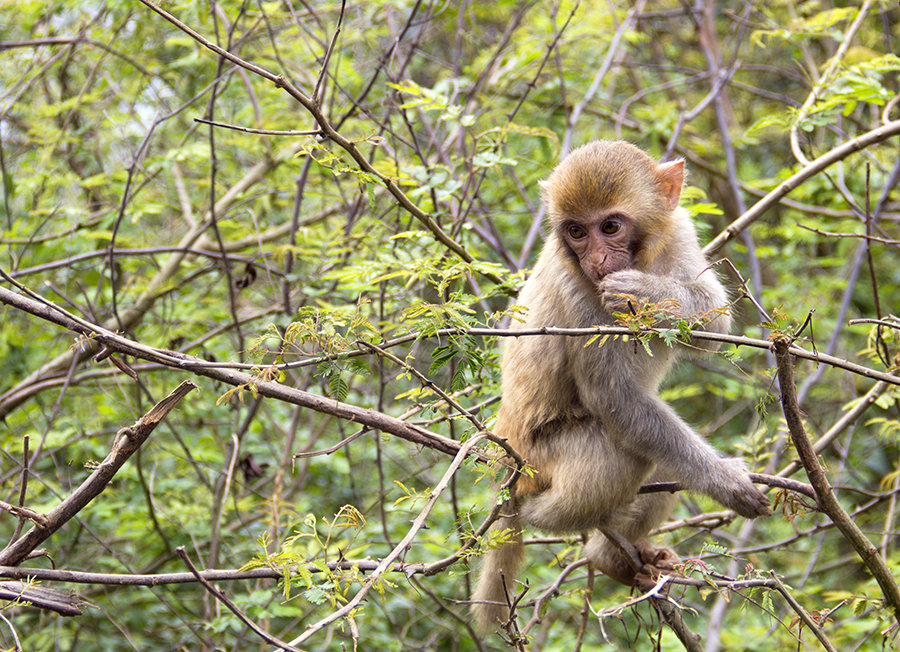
x=317, y=274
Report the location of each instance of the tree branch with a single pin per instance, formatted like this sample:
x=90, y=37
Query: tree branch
x=867, y=552
x=837, y=154
x=125, y=444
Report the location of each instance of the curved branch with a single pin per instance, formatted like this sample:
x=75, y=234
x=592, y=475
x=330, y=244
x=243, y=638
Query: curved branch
x=826, y=79
x=837, y=154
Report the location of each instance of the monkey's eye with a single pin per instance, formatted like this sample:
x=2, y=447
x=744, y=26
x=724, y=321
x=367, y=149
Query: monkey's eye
x=610, y=227
x=576, y=232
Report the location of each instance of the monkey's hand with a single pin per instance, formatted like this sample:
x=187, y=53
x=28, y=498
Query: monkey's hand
x=629, y=285
x=731, y=486
x=629, y=282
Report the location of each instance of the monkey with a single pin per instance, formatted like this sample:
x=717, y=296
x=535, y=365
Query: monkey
x=587, y=418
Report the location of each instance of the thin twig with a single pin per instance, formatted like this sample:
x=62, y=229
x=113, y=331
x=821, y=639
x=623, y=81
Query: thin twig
x=425, y=380
x=264, y=132
x=221, y=597
x=550, y=592
x=399, y=549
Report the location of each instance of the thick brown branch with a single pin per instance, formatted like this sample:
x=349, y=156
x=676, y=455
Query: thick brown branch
x=270, y=389
x=826, y=498
x=63, y=603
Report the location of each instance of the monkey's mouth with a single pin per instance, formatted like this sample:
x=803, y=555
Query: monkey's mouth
x=600, y=274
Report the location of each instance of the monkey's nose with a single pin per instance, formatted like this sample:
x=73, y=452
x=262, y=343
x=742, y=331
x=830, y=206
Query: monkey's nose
x=599, y=267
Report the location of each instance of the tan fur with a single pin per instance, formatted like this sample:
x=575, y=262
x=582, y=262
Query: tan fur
x=588, y=418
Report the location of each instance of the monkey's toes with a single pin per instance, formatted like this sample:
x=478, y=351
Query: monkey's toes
x=664, y=564
x=662, y=558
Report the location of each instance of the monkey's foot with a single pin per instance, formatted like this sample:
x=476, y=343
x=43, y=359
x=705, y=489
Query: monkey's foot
x=656, y=562
x=639, y=563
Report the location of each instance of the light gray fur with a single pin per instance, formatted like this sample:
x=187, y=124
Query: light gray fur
x=588, y=418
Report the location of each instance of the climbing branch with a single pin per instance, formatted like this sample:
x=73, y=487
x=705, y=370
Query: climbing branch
x=866, y=550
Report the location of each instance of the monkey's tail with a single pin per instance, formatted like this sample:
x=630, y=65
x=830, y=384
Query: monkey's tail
x=499, y=569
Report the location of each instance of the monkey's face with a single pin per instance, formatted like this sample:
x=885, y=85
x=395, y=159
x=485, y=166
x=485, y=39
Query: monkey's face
x=612, y=206
x=603, y=243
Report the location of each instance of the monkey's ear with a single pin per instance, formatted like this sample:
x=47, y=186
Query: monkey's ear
x=544, y=185
x=671, y=178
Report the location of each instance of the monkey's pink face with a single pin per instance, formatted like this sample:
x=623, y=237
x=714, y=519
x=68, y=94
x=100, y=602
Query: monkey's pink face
x=602, y=244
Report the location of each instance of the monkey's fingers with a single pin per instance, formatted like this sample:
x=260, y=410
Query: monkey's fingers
x=731, y=486
x=750, y=502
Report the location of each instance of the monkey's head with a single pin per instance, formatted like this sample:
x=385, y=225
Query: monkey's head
x=612, y=206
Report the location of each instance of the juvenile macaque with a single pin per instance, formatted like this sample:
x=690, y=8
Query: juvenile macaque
x=588, y=418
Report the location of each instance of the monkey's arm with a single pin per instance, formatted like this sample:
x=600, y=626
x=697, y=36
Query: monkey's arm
x=700, y=297
x=650, y=429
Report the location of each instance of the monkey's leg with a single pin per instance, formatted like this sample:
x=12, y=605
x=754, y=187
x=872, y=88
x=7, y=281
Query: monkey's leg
x=632, y=522
x=588, y=478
